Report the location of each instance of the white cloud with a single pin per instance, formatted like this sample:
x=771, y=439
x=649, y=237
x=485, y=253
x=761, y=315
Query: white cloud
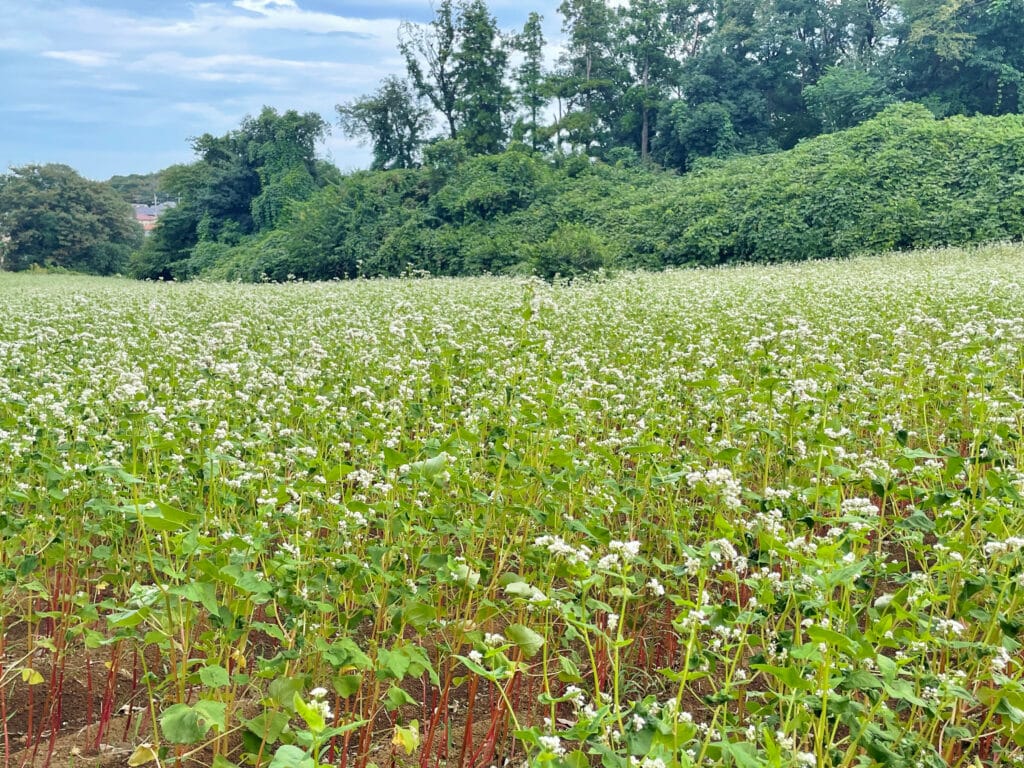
x=210, y=18
x=167, y=71
x=274, y=72
x=263, y=6
x=83, y=58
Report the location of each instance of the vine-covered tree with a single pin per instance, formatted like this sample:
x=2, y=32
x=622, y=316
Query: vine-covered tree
x=241, y=184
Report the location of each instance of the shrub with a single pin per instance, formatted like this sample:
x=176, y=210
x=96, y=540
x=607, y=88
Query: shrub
x=571, y=252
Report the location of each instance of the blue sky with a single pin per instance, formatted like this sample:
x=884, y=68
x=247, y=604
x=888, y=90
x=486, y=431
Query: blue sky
x=118, y=86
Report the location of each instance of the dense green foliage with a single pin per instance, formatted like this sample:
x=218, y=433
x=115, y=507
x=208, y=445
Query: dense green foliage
x=52, y=217
x=668, y=132
x=722, y=518
x=902, y=180
x=141, y=188
x=240, y=185
x=675, y=80
x=393, y=119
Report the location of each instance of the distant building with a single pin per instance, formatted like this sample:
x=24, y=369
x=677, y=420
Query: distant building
x=147, y=215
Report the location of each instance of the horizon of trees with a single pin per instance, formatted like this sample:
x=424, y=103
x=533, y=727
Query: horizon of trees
x=658, y=85
x=674, y=81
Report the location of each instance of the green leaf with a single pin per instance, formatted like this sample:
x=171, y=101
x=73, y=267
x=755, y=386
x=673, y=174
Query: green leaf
x=392, y=664
x=282, y=690
x=267, y=726
x=568, y=672
x=164, y=517
x=917, y=521
x=214, y=676
x=789, y=676
x=214, y=713
x=419, y=663
x=396, y=698
x=347, y=685
x=519, y=589
x=202, y=592
x=525, y=638
x=903, y=690
x=845, y=574
x=420, y=615
x=743, y=753
x=861, y=680
x=311, y=715
x=576, y=759
x=290, y=756
x=832, y=638
x=128, y=619
x=182, y=724
x=474, y=667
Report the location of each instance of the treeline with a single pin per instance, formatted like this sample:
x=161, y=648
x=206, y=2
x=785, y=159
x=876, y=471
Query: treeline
x=668, y=132
x=484, y=160
x=901, y=180
x=678, y=80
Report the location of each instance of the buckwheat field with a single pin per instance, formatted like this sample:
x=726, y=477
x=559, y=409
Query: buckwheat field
x=738, y=517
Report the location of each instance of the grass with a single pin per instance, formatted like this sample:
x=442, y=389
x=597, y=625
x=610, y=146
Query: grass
x=737, y=517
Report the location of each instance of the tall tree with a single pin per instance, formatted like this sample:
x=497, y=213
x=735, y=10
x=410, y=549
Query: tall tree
x=482, y=99
x=50, y=216
x=241, y=183
x=960, y=56
x=429, y=52
x=589, y=70
x=393, y=119
x=845, y=96
x=647, y=39
x=529, y=76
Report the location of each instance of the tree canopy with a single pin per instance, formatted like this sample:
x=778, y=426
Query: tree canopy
x=52, y=217
x=489, y=154
x=241, y=184
x=903, y=179
x=675, y=81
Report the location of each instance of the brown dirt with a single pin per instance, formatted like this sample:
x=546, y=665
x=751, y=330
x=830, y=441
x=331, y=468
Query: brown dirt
x=71, y=697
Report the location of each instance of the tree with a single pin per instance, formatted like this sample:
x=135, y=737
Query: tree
x=55, y=218
x=589, y=71
x=646, y=39
x=140, y=188
x=482, y=100
x=393, y=119
x=960, y=57
x=282, y=150
x=241, y=184
x=429, y=53
x=529, y=76
x=845, y=96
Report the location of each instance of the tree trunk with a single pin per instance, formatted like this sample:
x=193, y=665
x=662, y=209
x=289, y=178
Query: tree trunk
x=645, y=127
